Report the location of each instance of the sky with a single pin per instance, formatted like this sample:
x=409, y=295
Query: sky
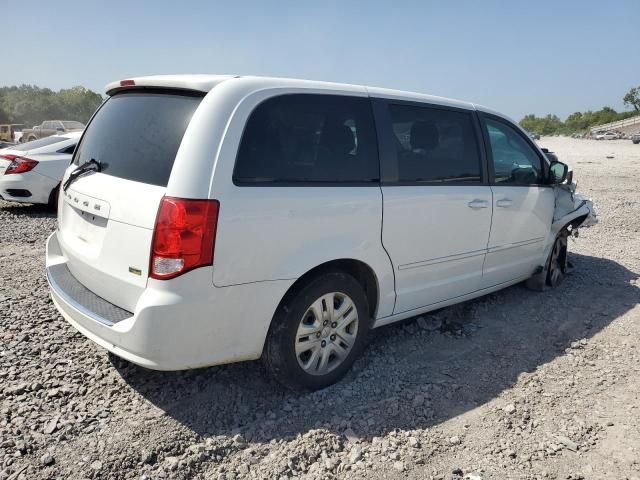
x=514, y=56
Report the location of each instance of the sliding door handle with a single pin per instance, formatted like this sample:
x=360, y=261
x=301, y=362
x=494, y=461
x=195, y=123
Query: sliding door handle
x=477, y=204
x=504, y=203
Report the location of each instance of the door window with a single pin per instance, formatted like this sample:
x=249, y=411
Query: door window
x=434, y=145
x=304, y=138
x=514, y=160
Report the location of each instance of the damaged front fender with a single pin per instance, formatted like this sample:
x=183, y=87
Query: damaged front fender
x=571, y=212
x=570, y=206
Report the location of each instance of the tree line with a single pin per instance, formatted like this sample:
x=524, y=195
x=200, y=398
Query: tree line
x=581, y=122
x=32, y=105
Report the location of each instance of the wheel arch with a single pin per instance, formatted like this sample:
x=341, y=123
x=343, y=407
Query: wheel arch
x=362, y=272
x=53, y=196
x=538, y=280
x=576, y=222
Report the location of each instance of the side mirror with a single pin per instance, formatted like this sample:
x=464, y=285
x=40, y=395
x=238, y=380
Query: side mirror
x=558, y=172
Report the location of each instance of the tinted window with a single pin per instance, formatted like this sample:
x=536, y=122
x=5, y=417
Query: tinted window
x=43, y=142
x=68, y=150
x=435, y=145
x=309, y=138
x=136, y=135
x=514, y=160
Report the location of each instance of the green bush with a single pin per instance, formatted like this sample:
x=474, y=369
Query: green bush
x=578, y=122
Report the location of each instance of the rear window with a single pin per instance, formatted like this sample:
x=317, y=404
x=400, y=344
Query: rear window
x=306, y=138
x=136, y=135
x=73, y=125
x=43, y=142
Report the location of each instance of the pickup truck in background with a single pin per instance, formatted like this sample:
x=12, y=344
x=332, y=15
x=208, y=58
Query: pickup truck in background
x=50, y=127
x=11, y=132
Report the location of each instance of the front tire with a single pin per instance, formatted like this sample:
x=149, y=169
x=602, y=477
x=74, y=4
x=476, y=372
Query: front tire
x=557, y=264
x=318, y=332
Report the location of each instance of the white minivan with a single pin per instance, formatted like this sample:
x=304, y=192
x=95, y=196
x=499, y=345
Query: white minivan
x=214, y=219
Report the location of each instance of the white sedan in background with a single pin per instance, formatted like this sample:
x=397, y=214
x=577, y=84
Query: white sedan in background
x=608, y=136
x=31, y=172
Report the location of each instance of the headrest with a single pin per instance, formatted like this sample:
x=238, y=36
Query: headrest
x=339, y=139
x=424, y=135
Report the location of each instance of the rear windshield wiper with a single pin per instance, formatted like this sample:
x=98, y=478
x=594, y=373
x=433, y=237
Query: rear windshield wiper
x=92, y=165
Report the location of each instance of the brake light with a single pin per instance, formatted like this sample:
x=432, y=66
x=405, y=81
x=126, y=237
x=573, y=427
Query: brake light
x=19, y=164
x=127, y=83
x=183, y=237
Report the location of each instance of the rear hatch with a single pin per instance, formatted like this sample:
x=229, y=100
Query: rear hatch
x=106, y=218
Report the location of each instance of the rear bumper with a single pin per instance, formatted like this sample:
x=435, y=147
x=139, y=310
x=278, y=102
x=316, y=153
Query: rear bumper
x=37, y=185
x=70, y=291
x=179, y=324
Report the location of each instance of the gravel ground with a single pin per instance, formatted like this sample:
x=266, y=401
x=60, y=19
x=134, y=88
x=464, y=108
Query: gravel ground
x=515, y=385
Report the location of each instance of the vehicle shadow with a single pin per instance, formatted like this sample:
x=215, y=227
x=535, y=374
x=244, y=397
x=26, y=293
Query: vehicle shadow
x=27, y=209
x=409, y=377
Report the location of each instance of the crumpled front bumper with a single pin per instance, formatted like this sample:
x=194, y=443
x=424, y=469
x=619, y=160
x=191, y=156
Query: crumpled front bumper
x=570, y=206
x=592, y=217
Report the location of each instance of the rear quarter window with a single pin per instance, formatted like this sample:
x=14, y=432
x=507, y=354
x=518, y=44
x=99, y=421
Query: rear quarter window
x=136, y=135
x=68, y=150
x=307, y=139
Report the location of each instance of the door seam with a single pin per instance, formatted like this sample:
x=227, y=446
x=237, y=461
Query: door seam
x=393, y=270
x=484, y=261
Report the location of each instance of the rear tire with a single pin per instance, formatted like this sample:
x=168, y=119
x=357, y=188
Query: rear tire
x=318, y=332
x=53, y=199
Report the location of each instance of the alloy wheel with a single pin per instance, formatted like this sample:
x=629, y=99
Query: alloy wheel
x=326, y=334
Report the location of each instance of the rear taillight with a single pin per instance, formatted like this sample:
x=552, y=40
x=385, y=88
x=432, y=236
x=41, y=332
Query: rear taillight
x=184, y=236
x=19, y=164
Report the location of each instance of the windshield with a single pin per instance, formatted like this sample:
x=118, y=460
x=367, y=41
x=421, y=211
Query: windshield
x=43, y=142
x=136, y=135
x=73, y=125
